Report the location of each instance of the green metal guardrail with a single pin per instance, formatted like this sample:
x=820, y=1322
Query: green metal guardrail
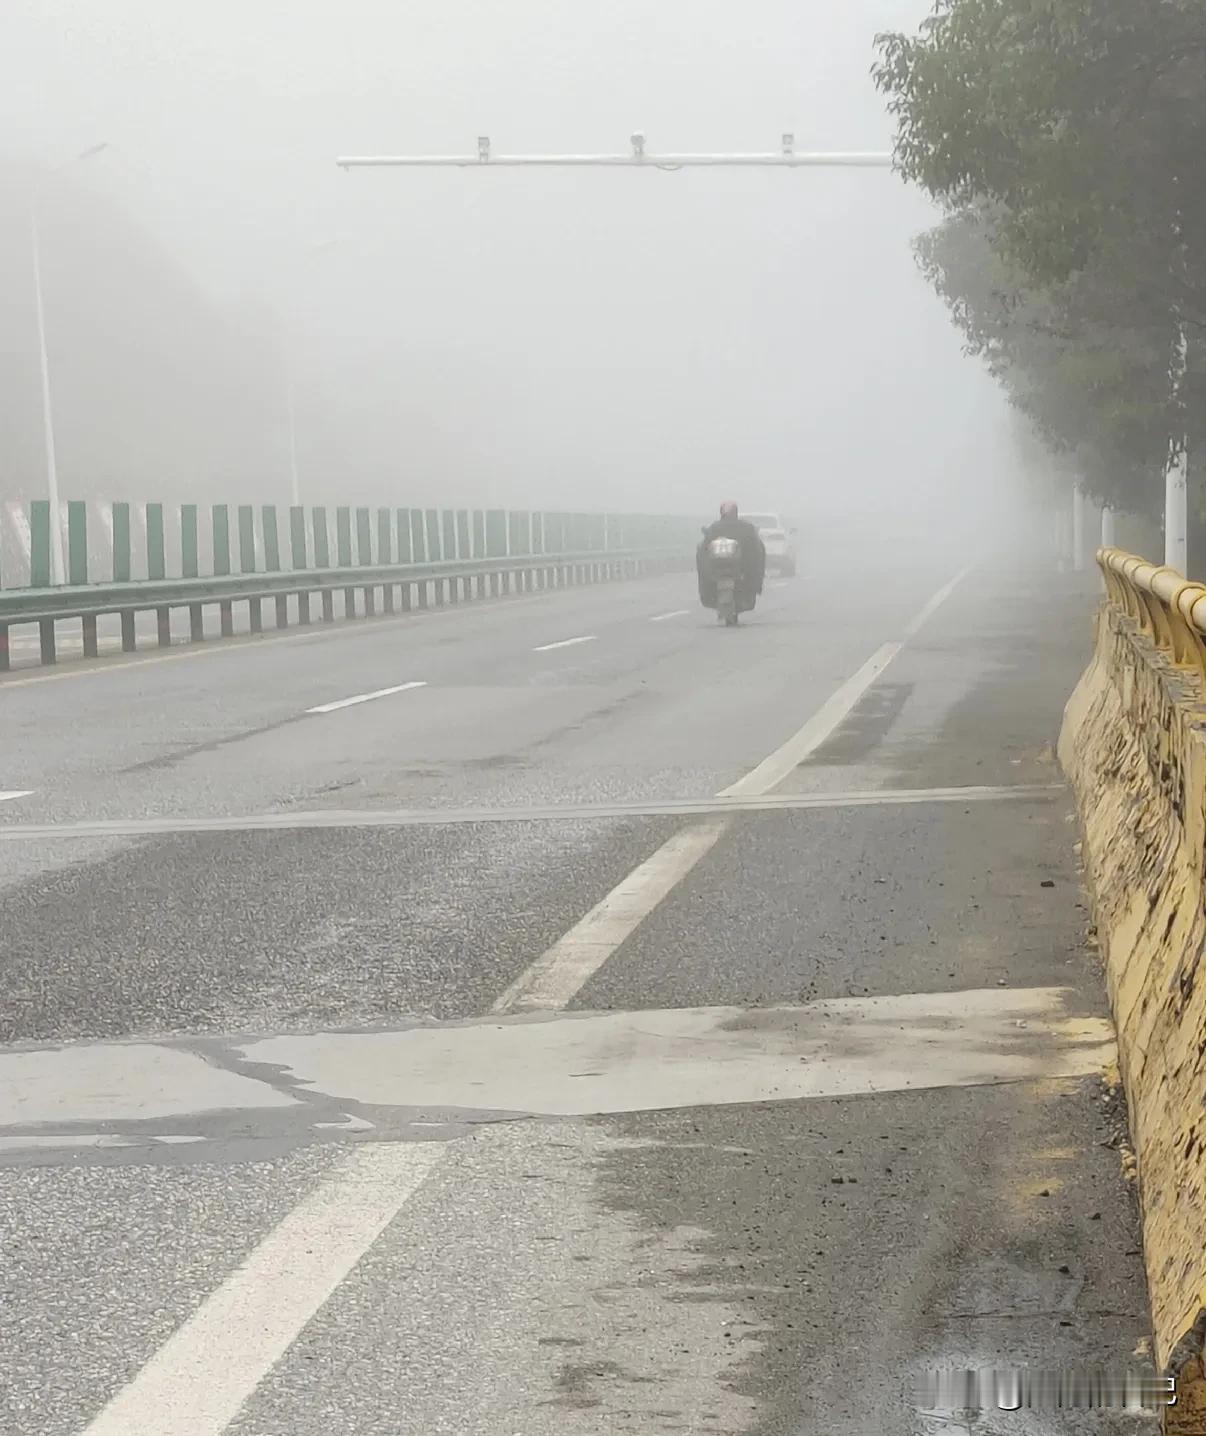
x=192, y=557
x=116, y=542
x=413, y=584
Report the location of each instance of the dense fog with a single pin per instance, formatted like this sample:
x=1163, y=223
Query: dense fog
x=585, y=338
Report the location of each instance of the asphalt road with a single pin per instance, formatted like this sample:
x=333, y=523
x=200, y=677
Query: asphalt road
x=445, y=1115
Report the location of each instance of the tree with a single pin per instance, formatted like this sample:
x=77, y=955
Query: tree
x=1064, y=139
x=1084, y=119
x=1096, y=393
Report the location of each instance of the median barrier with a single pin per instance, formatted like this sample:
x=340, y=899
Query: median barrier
x=1133, y=745
x=150, y=560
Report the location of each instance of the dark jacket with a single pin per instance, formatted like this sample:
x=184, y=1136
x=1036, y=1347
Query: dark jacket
x=753, y=550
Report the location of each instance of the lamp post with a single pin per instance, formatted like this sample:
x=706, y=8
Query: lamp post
x=57, y=566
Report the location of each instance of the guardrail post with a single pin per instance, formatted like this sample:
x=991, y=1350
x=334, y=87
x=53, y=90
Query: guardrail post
x=448, y=550
x=431, y=520
x=157, y=568
x=77, y=566
x=156, y=547
x=121, y=543
x=121, y=569
x=521, y=546
x=272, y=559
x=220, y=526
x=550, y=546
x=39, y=568
x=297, y=557
x=322, y=558
x=536, y=528
x=343, y=554
x=496, y=545
x=418, y=548
x=405, y=552
x=39, y=544
x=464, y=549
x=190, y=566
x=255, y=609
x=364, y=556
x=479, y=550
x=190, y=557
x=385, y=555
x=77, y=542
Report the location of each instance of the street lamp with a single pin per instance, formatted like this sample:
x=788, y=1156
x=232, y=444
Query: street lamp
x=57, y=567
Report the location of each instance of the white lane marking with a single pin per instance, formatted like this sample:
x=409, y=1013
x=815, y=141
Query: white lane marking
x=565, y=643
x=662, y=617
x=364, y=698
x=559, y=974
x=563, y=970
x=786, y=758
x=10, y=794
x=198, y=1380
x=935, y=603
x=554, y=812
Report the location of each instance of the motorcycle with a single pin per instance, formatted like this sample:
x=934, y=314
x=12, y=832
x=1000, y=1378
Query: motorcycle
x=724, y=563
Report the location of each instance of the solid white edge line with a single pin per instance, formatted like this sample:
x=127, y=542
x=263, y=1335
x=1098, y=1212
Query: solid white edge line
x=8, y=796
x=199, y=1379
x=553, y=980
x=564, y=643
x=560, y=972
x=364, y=698
x=911, y=629
x=831, y=714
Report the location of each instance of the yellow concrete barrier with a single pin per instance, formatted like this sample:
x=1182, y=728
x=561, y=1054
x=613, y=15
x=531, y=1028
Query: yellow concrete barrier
x=1134, y=747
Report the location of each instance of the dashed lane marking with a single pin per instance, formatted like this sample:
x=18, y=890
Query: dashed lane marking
x=7, y=795
x=365, y=697
x=198, y=1380
x=565, y=643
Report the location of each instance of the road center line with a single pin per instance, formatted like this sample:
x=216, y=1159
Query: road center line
x=565, y=643
x=364, y=698
x=8, y=796
x=662, y=617
x=555, y=978
x=198, y=1380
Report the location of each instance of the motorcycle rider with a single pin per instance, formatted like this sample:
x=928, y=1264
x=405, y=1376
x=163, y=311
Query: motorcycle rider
x=753, y=555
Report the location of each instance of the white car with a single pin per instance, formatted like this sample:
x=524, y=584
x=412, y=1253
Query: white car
x=780, y=550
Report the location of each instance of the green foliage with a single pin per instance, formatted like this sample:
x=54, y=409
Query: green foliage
x=1066, y=138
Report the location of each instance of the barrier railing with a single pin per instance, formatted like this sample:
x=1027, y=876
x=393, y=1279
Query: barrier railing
x=116, y=542
x=402, y=586
x=1169, y=608
x=1133, y=744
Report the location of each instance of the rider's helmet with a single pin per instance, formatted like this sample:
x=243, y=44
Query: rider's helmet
x=728, y=510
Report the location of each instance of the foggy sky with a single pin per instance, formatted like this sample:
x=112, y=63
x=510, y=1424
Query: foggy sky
x=592, y=338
